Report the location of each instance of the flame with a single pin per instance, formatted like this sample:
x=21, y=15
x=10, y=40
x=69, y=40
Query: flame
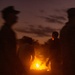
x=38, y=64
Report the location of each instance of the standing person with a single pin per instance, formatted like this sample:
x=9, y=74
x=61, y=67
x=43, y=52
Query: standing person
x=26, y=52
x=54, y=47
x=11, y=64
x=67, y=38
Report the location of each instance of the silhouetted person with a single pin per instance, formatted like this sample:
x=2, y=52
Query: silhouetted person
x=11, y=64
x=26, y=50
x=54, y=47
x=67, y=38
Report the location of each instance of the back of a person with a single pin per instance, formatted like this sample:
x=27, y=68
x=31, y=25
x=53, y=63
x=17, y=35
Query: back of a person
x=56, y=49
x=55, y=54
x=54, y=46
x=68, y=48
x=67, y=38
x=25, y=52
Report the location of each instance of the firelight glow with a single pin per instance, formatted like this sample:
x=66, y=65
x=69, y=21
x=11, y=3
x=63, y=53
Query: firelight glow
x=37, y=64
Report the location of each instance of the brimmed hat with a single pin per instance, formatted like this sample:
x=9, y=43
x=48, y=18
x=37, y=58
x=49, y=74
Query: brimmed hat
x=9, y=9
x=71, y=12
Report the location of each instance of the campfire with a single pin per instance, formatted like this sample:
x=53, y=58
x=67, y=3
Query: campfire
x=38, y=64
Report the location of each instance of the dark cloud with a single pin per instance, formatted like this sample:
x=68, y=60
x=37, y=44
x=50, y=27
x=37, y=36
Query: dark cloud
x=39, y=31
x=58, y=17
x=52, y=19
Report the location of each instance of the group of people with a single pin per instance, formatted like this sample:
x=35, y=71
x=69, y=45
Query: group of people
x=63, y=48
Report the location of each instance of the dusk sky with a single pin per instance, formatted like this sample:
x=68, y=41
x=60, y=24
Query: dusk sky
x=38, y=18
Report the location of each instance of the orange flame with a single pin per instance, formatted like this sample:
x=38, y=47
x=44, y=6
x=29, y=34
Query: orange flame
x=38, y=64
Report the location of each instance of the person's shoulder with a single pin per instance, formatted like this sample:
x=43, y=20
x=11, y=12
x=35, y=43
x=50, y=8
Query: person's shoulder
x=50, y=41
x=67, y=26
x=64, y=30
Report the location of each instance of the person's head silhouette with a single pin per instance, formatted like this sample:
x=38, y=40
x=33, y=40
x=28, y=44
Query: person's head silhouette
x=9, y=15
x=55, y=34
x=71, y=13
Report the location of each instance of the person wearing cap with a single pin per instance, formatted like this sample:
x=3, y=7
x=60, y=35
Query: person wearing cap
x=11, y=64
x=67, y=39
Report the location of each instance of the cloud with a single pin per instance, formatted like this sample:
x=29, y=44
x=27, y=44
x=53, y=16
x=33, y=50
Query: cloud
x=38, y=31
x=60, y=10
x=53, y=19
x=58, y=17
